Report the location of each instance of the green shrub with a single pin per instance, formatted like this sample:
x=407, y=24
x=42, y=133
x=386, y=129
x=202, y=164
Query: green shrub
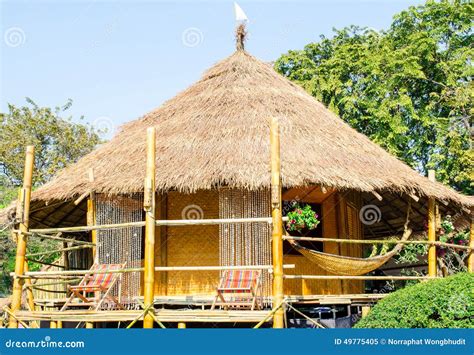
x=440, y=303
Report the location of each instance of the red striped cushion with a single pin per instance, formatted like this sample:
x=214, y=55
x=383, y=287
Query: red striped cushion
x=239, y=280
x=103, y=279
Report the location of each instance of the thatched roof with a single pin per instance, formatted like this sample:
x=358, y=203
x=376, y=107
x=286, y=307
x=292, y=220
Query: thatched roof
x=216, y=133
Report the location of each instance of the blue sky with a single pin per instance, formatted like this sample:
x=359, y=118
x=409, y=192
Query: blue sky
x=118, y=60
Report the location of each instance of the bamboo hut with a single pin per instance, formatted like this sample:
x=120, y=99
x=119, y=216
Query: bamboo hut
x=213, y=162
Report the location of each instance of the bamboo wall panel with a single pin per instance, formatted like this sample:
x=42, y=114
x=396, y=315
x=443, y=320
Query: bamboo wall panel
x=49, y=291
x=193, y=245
x=339, y=215
x=330, y=230
x=161, y=247
x=352, y=205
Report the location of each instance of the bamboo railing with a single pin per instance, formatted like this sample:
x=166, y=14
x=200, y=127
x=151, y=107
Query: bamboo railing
x=48, y=274
x=363, y=277
x=379, y=241
x=169, y=223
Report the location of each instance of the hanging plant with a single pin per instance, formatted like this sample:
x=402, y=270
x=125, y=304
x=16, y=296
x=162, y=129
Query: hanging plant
x=302, y=218
x=449, y=234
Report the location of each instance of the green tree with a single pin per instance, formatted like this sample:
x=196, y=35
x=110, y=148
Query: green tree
x=58, y=142
x=408, y=88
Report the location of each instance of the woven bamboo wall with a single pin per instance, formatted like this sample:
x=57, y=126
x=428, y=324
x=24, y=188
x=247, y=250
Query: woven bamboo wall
x=50, y=291
x=340, y=220
x=193, y=245
x=77, y=260
x=353, y=230
x=199, y=246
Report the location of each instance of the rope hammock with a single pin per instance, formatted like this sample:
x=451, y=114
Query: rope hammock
x=351, y=266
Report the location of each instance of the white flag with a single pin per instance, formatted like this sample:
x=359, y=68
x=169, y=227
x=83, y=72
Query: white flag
x=239, y=13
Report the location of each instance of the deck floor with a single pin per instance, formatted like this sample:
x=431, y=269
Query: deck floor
x=50, y=312
x=206, y=300
x=163, y=315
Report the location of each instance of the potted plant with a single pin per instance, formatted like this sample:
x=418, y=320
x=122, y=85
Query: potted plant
x=302, y=218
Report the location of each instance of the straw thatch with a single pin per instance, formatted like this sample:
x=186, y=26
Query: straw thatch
x=217, y=133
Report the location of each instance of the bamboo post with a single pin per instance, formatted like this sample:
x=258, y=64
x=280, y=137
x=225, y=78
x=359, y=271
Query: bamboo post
x=365, y=311
x=53, y=324
x=91, y=221
x=29, y=292
x=91, y=214
x=277, y=227
x=149, y=206
x=27, y=283
x=431, y=230
x=21, y=236
x=29, y=295
x=470, y=260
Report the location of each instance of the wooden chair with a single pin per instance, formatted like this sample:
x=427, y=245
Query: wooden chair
x=243, y=288
x=94, y=288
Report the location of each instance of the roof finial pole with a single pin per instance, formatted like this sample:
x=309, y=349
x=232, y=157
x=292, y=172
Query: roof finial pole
x=240, y=31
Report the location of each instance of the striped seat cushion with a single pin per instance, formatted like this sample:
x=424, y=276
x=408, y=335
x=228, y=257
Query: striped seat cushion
x=239, y=280
x=103, y=280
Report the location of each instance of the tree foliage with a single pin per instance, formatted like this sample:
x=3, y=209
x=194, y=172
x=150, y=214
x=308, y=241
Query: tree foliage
x=58, y=141
x=441, y=303
x=408, y=88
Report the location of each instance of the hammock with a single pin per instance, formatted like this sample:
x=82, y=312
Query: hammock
x=347, y=265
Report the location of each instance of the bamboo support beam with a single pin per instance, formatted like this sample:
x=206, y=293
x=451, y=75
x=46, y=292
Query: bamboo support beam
x=377, y=195
x=65, y=256
x=269, y=315
x=378, y=241
x=29, y=293
x=81, y=198
x=304, y=315
x=365, y=311
x=65, y=282
x=149, y=206
x=12, y=315
x=71, y=273
x=335, y=277
x=140, y=316
x=150, y=311
x=162, y=315
x=58, y=238
x=91, y=215
x=21, y=236
x=431, y=230
x=277, y=223
x=49, y=252
x=169, y=223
